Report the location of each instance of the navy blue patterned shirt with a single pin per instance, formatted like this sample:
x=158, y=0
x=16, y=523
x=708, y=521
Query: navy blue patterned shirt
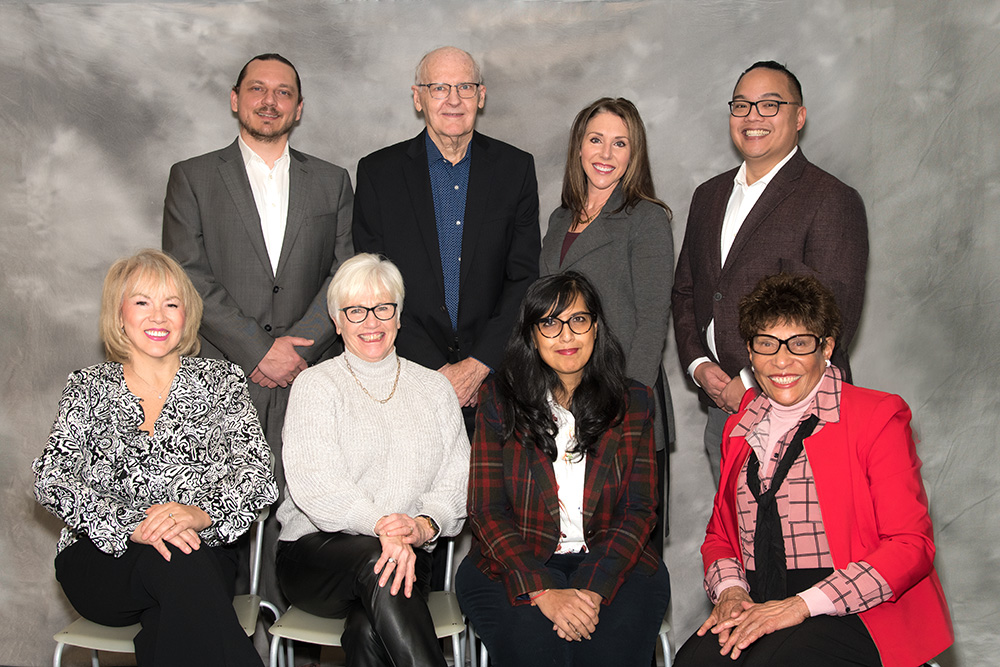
x=449, y=187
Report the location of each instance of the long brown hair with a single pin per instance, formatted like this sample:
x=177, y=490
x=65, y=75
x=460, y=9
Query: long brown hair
x=637, y=183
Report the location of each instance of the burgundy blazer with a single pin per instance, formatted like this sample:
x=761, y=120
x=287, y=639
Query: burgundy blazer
x=874, y=509
x=805, y=222
x=514, y=506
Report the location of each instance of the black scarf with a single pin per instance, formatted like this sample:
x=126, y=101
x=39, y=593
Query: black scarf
x=768, y=542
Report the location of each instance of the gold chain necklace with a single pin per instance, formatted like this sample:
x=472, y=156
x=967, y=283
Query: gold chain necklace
x=395, y=383
x=159, y=393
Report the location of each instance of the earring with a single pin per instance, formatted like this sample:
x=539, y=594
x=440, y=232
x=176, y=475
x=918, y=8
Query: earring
x=827, y=363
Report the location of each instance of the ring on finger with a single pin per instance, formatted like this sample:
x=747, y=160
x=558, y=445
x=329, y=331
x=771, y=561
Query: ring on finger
x=391, y=559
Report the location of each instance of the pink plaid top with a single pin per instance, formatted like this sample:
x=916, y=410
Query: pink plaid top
x=850, y=590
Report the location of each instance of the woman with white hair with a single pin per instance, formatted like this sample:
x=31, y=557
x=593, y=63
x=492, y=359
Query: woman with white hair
x=376, y=465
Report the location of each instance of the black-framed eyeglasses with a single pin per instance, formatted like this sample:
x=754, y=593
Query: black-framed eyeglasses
x=579, y=323
x=440, y=91
x=766, y=108
x=799, y=345
x=358, y=314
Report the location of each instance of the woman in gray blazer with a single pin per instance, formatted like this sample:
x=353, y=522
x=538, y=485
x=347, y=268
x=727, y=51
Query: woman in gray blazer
x=613, y=229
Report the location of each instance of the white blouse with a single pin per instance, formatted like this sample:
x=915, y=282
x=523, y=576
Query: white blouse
x=571, y=473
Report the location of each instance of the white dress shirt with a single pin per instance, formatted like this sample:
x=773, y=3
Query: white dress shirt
x=270, y=193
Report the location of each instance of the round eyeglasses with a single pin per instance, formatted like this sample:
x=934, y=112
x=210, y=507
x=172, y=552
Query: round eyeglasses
x=766, y=108
x=579, y=323
x=440, y=91
x=358, y=314
x=799, y=345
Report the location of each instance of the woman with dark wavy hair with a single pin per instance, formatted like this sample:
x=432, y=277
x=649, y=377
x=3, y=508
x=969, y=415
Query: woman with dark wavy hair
x=561, y=494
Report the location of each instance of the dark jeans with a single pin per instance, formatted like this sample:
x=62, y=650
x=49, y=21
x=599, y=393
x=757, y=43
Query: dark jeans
x=185, y=605
x=521, y=636
x=820, y=641
x=333, y=575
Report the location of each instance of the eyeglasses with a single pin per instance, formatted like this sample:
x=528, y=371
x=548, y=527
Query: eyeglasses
x=441, y=91
x=799, y=345
x=358, y=314
x=580, y=323
x=766, y=108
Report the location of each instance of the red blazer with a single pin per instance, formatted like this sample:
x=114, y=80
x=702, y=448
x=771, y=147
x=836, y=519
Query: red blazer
x=874, y=509
x=514, y=507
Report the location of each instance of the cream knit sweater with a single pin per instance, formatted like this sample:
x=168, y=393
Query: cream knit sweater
x=350, y=460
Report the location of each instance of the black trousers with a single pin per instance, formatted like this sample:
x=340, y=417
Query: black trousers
x=185, y=605
x=819, y=641
x=521, y=635
x=333, y=575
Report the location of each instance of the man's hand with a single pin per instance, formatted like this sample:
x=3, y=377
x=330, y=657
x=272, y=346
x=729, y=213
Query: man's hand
x=713, y=380
x=282, y=363
x=465, y=378
x=732, y=395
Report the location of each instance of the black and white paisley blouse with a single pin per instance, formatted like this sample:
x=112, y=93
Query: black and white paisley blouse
x=99, y=472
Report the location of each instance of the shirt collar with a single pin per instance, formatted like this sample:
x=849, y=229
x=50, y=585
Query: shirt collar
x=250, y=156
x=741, y=175
x=434, y=153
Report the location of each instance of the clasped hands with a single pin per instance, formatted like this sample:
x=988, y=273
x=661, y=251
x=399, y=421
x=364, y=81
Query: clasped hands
x=739, y=621
x=727, y=392
x=465, y=377
x=282, y=363
x=174, y=523
x=573, y=611
x=399, y=533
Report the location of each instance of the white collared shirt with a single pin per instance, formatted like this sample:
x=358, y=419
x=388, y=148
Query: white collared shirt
x=571, y=476
x=742, y=200
x=270, y=193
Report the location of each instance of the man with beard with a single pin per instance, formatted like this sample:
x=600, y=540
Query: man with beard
x=261, y=229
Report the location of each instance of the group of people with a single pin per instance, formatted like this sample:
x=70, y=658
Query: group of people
x=318, y=392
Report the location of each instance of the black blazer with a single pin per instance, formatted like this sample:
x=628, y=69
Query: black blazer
x=394, y=216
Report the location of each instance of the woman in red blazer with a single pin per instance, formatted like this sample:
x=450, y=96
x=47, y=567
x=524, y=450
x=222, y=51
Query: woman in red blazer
x=822, y=554
x=561, y=494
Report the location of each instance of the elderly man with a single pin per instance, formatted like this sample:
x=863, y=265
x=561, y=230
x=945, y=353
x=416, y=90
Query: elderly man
x=457, y=212
x=776, y=212
x=260, y=229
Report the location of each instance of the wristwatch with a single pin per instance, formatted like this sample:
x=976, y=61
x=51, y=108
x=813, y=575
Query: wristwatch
x=434, y=527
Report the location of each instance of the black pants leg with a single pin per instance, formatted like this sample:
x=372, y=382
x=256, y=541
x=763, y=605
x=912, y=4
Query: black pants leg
x=333, y=575
x=185, y=605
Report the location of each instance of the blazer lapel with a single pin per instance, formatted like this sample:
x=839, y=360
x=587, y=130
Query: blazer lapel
x=299, y=180
x=418, y=185
x=782, y=185
x=598, y=233
x=545, y=479
x=481, y=174
x=234, y=175
x=716, y=218
x=598, y=467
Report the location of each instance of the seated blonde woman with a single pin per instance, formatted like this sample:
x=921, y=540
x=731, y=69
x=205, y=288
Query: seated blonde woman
x=157, y=464
x=376, y=464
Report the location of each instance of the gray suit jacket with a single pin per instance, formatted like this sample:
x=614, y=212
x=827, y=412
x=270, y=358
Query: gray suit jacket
x=211, y=226
x=805, y=222
x=629, y=256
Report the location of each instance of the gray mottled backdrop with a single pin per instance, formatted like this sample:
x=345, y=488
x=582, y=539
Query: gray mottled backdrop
x=97, y=100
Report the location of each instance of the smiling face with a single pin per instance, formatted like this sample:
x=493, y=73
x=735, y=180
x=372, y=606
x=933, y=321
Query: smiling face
x=267, y=103
x=567, y=353
x=605, y=151
x=372, y=339
x=453, y=118
x=787, y=378
x=153, y=318
x=763, y=142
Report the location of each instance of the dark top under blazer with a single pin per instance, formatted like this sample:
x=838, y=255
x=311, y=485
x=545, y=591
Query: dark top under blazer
x=805, y=222
x=394, y=216
x=211, y=226
x=514, y=504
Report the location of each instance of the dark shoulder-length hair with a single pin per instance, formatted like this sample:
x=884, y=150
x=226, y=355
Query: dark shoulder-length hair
x=637, y=182
x=524, y=380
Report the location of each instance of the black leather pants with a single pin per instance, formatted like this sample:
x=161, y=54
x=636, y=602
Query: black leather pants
x=333, y=575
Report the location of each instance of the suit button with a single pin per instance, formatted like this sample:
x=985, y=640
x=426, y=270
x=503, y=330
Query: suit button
x=267, y=327
x=717, y=296
x=444, y=309
x=591, y=532
x=276, y=288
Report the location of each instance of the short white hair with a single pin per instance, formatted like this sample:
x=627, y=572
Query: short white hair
x=361, y=275
x=418, y=74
